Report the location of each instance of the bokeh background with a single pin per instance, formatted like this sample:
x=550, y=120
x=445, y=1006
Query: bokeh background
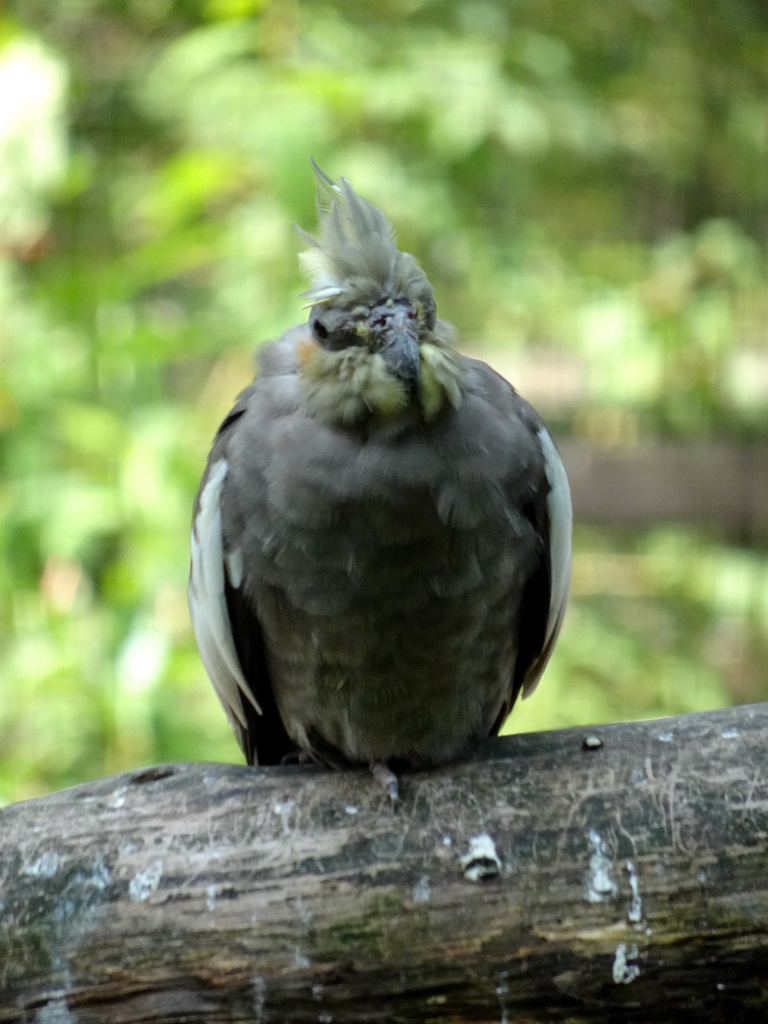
x=587, y=186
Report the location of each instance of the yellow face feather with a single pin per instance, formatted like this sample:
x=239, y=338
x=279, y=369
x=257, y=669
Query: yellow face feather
x=348, y=385
x=440, y=380
x=353, y=383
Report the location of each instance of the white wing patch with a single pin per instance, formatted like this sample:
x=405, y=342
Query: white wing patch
x=234, y=560
x=560, y=529
x=207, y=603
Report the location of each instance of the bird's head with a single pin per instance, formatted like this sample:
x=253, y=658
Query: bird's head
x=375, y=344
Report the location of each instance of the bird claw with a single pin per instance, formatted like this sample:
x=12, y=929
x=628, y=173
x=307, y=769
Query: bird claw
x=386, y=780
x=294, y=757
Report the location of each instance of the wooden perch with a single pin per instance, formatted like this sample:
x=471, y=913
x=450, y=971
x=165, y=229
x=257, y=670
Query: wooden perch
x=611, y=874
x=717, y=485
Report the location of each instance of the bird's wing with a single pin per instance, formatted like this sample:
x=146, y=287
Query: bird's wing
x=228, y=632
x=546, y=503
x=546, y=594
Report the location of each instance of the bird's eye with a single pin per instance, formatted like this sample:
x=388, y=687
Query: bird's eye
x=320, y=330
x=411, y=315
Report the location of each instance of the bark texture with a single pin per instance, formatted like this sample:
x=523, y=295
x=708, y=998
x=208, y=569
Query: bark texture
x=615, y=874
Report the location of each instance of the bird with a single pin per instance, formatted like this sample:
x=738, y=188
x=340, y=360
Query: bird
x=381, y=541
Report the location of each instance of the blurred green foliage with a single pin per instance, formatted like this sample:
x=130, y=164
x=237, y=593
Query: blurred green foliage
x=587, y=180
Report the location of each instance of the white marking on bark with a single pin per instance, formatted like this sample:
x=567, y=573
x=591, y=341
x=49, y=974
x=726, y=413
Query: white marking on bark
x=55, y=1011
x=79, y=908
x=635, y=912
x=731, y=733
x=422, y=892
x=481, y=860
x=259, y=997
x=46, y=865
x=305, y=914
x=601, y=884
x=142, y=885
x=502, y=991
x=638, y=777
x=665, y=737
x=210, y=900
x=101, y=875
x=623, y=971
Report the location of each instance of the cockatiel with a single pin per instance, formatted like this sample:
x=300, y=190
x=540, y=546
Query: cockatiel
x=382, y=538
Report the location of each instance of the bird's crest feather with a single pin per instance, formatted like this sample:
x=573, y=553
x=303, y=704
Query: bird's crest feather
x=355, y=257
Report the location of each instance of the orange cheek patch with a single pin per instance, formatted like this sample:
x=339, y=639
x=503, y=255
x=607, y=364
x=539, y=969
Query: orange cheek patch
x=306, y=347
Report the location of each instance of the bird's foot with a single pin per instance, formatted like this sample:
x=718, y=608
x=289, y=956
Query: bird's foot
x=386, y=779
x=297, y=757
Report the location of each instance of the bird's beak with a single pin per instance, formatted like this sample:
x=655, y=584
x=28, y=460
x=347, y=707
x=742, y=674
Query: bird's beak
x=400, y=347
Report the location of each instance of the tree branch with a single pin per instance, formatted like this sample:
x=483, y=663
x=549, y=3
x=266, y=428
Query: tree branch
x=720, y=485
x=621, y=879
